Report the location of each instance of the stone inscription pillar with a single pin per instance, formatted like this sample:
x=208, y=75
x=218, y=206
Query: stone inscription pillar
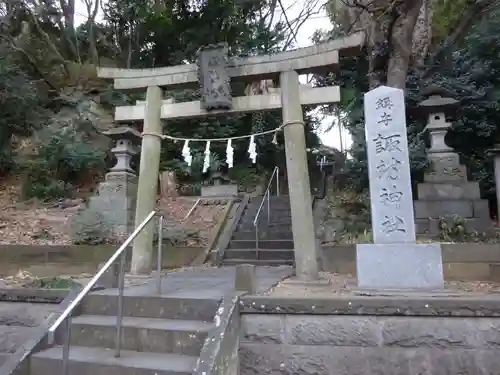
x=389, y=166
x=394, y=261
x=304, y=237
x=148, y=181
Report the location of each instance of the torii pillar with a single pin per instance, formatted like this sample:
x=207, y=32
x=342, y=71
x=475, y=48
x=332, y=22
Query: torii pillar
x=304, y=235
x=149, y=168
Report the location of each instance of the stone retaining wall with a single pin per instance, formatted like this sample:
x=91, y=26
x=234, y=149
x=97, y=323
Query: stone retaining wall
x=461, y=261
x=320, y=344
x=219, y=355
x=49, y=261
x=317, y=345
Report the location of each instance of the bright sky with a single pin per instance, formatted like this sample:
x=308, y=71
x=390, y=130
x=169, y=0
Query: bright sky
x=316, y=21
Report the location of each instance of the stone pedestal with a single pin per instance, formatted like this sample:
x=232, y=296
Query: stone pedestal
x=446, y=193
x=115, y=203
x=221, y=187
x=399, y=266
x=219, y=191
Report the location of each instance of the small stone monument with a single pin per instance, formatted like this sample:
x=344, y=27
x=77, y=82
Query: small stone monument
x=394, y=261
x=446, y=192
x=221, y=187
x=117, y=194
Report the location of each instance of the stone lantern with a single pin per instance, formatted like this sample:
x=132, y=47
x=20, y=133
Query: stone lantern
x=117, y=194
x=219, y=179
x=125, y=139
x=436, y=107
x=221, y=187
x=446, y=193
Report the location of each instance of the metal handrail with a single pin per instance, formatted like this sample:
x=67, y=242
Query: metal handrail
x=67, y=313
x=192, y=209
x=267, y=195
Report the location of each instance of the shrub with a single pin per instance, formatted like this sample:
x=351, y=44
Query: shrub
x=47, y=189
x=60, y=155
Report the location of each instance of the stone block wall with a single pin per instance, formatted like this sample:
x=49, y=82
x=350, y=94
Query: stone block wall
x=301, y=344
x=219, y=355
x=461, y=261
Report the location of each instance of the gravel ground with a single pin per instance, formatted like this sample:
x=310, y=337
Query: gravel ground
x=335, y=284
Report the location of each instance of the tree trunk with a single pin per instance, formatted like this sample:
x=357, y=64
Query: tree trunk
x=401, y=44
x=422, y=34
x=168, y=185
x=389, y=27
x=92, y=13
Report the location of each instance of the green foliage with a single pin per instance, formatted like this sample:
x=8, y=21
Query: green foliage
x=246, y=178
x=472, y=76
x=52, y=283
x=132, y=34
x=453, y=229
x=46, y=189
x=62, y=156
x=21, y=108
x=446, y=15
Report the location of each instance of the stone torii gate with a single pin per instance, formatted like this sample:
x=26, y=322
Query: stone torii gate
x=214, y=72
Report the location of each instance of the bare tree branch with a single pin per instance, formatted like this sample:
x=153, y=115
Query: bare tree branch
x=310, y=8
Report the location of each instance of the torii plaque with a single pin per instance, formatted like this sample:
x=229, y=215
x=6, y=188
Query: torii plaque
x=214, y=80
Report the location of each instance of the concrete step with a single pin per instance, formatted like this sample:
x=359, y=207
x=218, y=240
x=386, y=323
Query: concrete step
x=263, y=219
x=263, y=226
x=150, y=306
x=259, y=262
x=277, y=207
x=96, y=361
x=141, y=334
x=263, y=244
x=258, y=254
x=275, y=235
x=274, y=198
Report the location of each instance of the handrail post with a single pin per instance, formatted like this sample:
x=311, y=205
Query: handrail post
x=119, y=313
x=277, y=181
x=66, y=344
x=159, y=256
x=256, y=235
x=268, y=208
x=267, y=195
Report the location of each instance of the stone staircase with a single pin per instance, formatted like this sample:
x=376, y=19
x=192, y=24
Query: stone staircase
x=275, y=245
x=162, y=335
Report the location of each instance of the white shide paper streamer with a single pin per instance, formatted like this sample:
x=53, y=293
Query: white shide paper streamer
x=229, y=153
x=186, y=154
x=206, y=162
x=252, y=149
